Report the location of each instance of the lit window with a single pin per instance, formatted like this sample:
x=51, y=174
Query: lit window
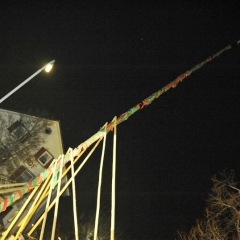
x=44, y=157
x=17, y=130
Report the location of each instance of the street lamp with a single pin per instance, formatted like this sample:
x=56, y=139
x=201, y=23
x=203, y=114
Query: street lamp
x=47, y=68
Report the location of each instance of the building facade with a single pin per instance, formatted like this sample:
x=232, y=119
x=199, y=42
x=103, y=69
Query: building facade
x=28, y=145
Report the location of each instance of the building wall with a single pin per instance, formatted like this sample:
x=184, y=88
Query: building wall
x=52, y=144
x=51, y=135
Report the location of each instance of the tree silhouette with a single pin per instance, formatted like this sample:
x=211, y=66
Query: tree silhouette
x=222, y=214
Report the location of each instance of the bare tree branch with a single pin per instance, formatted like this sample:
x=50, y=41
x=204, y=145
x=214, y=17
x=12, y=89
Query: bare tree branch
x=222, y=215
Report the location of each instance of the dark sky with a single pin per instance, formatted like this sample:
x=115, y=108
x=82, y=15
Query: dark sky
x=109, y=57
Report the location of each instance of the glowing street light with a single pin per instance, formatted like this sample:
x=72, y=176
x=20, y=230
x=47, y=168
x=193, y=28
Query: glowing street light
x=47, y=68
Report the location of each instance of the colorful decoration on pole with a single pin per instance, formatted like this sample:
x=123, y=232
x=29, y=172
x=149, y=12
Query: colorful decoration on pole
x=10, y=199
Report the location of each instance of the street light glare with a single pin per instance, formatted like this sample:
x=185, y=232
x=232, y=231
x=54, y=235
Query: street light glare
x=48, y=67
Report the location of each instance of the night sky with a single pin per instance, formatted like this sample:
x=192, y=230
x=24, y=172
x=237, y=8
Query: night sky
x=111, y=56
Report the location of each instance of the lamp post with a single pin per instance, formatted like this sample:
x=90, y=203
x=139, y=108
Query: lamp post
x=47, y=68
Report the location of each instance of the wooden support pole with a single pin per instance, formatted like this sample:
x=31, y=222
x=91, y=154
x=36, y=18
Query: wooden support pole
x=74, y=197
x=99, y=186
x=57, y=199
x=5, y=234
x=32, y=210
x=48, y=202
x=65, y=187
x=114, y=179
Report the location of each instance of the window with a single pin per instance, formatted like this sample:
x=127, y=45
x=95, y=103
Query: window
x=44, y=157
x=17, y=130
x=13, y=216
x=21, y=174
